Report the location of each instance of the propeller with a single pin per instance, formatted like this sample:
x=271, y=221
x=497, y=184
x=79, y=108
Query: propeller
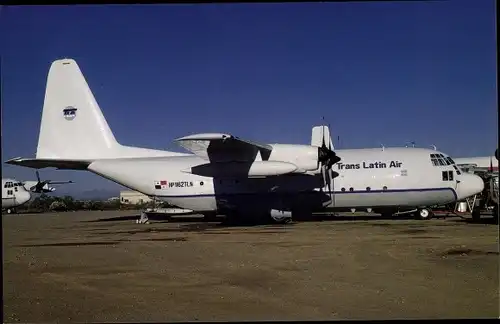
x=327, y=158
x=40, y=184
x=38, y=188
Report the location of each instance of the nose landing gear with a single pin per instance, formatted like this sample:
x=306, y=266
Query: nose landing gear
x=424, y=214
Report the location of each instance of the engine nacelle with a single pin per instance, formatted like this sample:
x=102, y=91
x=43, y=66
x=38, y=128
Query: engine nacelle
x=305, y=157
x=243, y=169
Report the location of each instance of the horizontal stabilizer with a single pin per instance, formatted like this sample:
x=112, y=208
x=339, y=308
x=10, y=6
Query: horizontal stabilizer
x=218, y=147
x=50, y=163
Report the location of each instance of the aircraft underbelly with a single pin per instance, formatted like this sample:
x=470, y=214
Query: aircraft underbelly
x=197, y=203
x=312, y=200
x=393, y=198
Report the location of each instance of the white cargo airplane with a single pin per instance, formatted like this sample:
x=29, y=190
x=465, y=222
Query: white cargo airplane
x=14, y=194
x=233, y=176
x=17, y=193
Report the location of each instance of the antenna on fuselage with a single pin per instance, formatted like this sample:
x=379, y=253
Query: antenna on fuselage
x=383, y=147
x=434, y=147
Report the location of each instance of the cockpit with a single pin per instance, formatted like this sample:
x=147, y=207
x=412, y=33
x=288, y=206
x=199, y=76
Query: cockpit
x=439, y=160
x=13, y=184
x=10, y=184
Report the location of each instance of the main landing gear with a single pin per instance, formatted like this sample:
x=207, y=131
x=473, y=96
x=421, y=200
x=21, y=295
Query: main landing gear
x=143, y=219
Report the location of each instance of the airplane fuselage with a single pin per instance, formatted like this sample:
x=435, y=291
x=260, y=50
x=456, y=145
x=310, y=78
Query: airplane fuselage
x=370, y=178
x=13, y=194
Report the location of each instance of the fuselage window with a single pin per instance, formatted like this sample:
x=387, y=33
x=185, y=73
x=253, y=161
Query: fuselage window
x=351, y=189
x=368, y=188
x=445, y=175
x=384, y=188
x=343, y=189
x=201, y=183
x=15, y=189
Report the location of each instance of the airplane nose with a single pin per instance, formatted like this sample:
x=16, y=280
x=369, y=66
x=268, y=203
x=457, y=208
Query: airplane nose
x=25, y=196
x=470, y=185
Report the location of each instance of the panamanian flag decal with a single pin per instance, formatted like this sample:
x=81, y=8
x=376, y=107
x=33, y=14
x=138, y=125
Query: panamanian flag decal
x=161, y=184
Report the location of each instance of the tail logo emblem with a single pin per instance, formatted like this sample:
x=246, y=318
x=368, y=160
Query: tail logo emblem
x=69, y=113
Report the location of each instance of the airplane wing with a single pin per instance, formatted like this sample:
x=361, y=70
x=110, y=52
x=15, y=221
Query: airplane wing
x=218, y=147
x=58, y=182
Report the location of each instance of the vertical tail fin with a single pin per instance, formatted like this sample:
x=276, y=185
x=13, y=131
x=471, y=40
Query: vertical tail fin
x=317, y=136
x=73, y=126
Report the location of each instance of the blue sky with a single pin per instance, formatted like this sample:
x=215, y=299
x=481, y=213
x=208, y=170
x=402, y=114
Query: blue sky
x=380, y=72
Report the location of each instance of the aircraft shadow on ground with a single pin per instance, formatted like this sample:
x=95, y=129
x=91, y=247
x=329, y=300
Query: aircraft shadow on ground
x=159, y=218
x=486, y=220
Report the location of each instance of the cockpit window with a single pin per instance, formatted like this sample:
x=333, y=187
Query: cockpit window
x=451, y=160
x=457, y=170
x=434, y=159
x=441, y=160
x=437, y=160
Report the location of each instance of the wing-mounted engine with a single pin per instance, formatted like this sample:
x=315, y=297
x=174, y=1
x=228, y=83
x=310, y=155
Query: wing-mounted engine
x=40, y=186
x=305, y=157
x=230, y=156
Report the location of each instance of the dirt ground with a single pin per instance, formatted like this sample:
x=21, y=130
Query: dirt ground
x=101, y=266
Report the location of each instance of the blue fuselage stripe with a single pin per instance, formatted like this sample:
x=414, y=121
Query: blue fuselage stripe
x=313, y=192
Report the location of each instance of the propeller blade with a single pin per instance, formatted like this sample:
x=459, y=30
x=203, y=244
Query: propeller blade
x=323, y=173
x=329, y=139
x=330, y=178
x=323, y=133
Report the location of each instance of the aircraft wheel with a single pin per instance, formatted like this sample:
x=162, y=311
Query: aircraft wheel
x=280, y=219
x=424, y=214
